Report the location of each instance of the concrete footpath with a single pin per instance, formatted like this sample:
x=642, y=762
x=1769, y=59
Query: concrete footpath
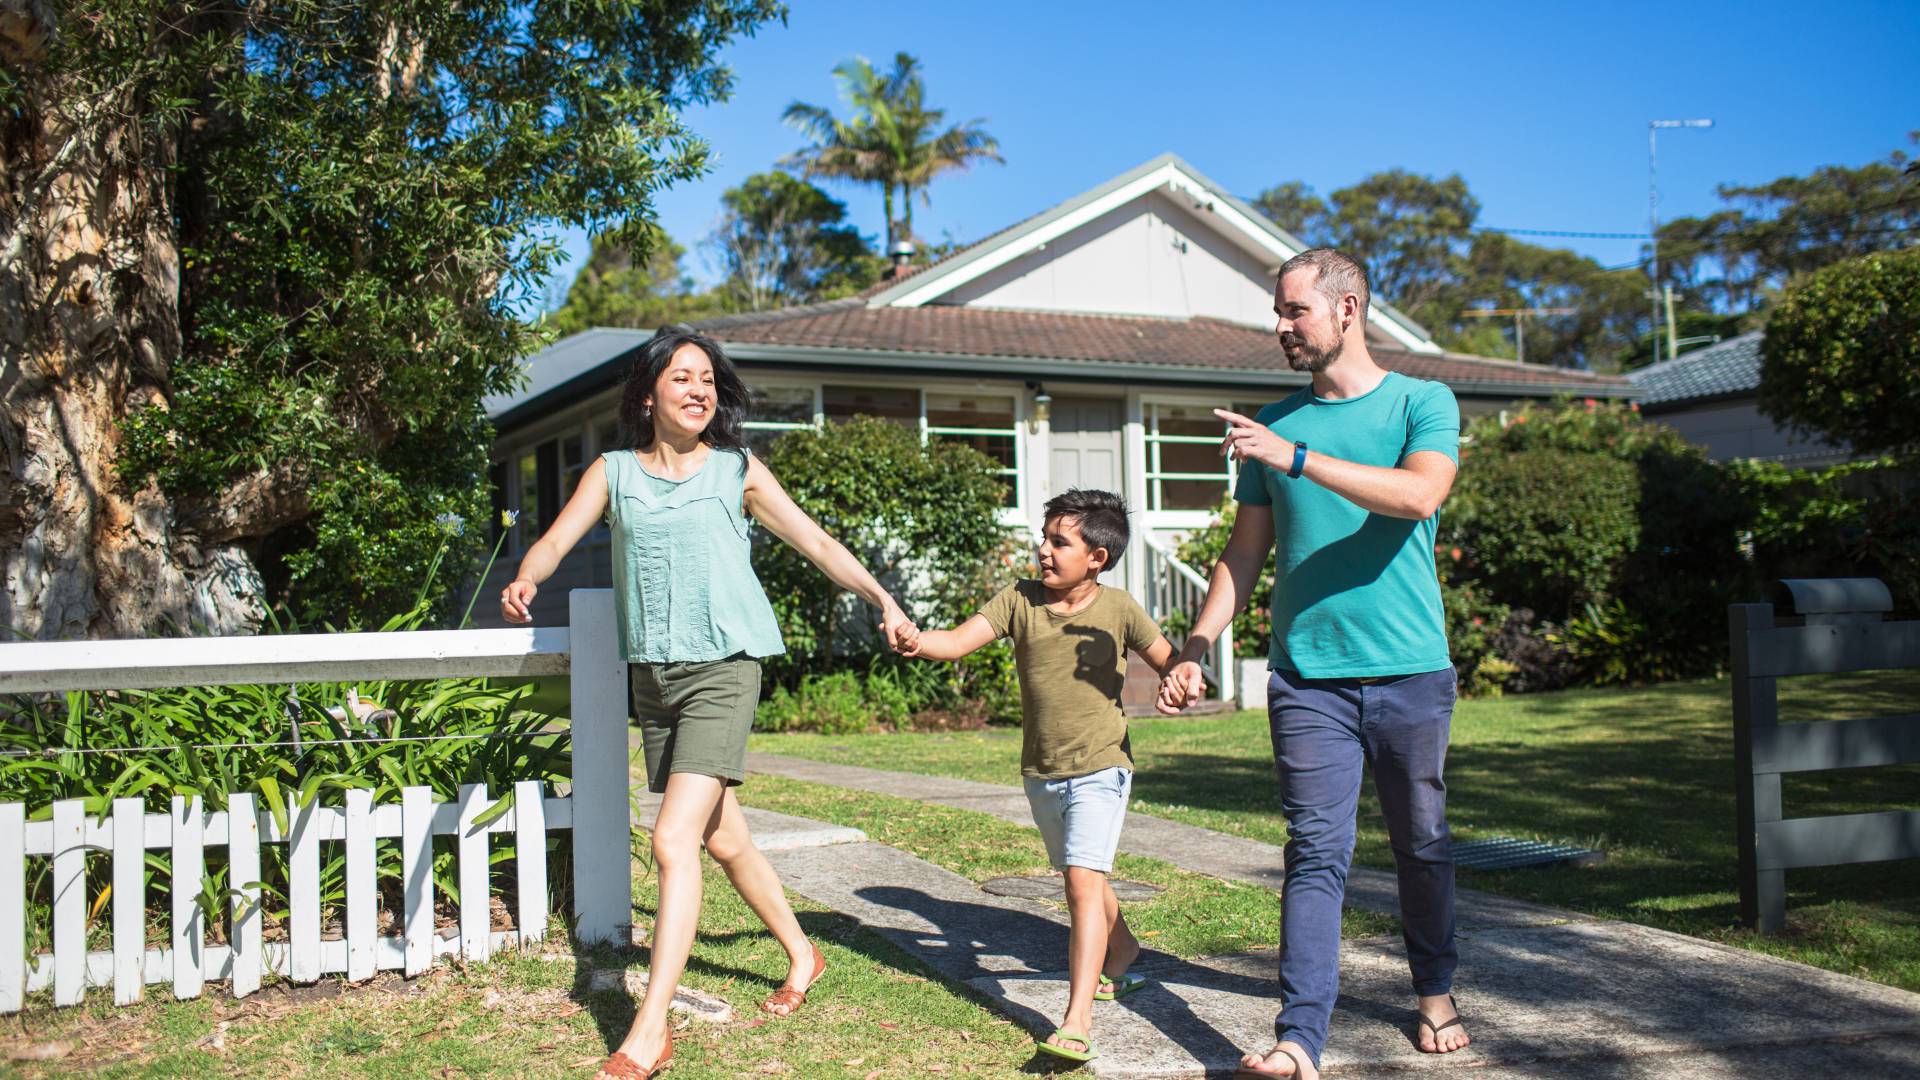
x=1545, y=992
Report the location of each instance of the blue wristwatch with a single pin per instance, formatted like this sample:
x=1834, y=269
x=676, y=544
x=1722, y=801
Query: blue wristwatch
x=1299, y=460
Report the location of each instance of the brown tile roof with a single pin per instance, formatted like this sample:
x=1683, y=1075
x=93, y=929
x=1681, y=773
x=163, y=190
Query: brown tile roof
x=1198, y=343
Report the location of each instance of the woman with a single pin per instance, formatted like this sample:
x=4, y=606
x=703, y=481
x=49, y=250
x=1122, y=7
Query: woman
x=694, y=623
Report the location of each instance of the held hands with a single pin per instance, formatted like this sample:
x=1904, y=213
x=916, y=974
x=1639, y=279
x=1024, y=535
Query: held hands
x=1250, y=440
x=516, y=599
x=1180, y=687
x=902, y=636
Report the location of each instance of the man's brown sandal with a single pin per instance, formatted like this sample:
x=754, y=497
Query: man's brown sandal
x=1248, y=1070
x=1427, y=1023
x=791, y=997
x=625, y=1068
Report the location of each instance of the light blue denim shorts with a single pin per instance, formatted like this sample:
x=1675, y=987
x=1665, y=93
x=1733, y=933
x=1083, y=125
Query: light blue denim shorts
x=1080, y=817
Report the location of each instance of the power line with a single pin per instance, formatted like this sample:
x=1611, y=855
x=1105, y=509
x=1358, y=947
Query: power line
x=1560, y=232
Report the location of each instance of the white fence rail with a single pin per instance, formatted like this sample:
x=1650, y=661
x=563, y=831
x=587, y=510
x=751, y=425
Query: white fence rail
x=1173, y=586
x=595, y=809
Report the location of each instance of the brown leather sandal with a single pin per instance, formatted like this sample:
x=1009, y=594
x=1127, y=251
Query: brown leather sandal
x=1250, y=1070
x=792, y=997
x=1427, y=1023
x=623, y=1067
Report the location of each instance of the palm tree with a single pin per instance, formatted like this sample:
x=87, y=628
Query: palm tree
x=892, y=140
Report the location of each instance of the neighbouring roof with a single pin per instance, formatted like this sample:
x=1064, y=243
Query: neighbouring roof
x=1727, y=369
x=1024, y=344
x=564, y=361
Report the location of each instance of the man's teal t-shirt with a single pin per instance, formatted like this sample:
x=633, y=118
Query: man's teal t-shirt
x=1355, y=593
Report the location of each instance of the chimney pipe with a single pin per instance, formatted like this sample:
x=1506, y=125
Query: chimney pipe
x=902, y=255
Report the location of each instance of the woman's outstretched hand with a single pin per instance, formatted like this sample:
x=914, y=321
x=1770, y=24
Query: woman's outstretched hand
x=516, y=600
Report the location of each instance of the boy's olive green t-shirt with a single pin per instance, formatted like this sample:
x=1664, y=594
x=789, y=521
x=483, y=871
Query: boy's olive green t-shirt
x=1071, y=670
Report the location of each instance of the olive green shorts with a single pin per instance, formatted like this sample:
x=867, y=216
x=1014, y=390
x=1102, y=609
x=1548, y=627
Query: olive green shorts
x=694, y=717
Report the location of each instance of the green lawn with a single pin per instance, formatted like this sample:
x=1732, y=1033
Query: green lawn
x=1645, y=774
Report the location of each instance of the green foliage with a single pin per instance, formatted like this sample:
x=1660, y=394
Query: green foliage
x=782, y=241
x=1613, y=527
x=923, y=518
x=1551, y=528
x=1841, y=356
x=891, y=139
x=1738, y=258
x=1474, y=623
x=1253, y=626
x=1428, y=260
x=641, y=288
x=834, y=703
x=1425, y=257
x=1860, y=519
x=365, y=199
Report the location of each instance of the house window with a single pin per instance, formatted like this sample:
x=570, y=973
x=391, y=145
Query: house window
x=983, y=422
x=1185, y=469
x=840, y=403
x=776, y=410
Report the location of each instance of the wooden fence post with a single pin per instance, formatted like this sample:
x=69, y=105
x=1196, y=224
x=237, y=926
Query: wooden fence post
x=1756, y=797
x=602, y=859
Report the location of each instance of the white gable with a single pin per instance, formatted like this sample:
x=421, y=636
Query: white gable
x=1150, y=256
x=1159, y=241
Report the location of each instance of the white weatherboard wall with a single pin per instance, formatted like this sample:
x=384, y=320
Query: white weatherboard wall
x=596, y=809
x=1151, y=256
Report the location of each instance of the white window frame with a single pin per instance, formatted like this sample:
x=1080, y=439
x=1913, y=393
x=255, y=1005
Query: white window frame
x=1013, y=514
x=1178, y=518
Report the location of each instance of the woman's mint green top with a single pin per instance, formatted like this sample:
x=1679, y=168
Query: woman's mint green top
x=684, y=589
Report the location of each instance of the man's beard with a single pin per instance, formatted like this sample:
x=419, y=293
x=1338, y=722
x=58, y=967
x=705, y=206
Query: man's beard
x=1311, y=359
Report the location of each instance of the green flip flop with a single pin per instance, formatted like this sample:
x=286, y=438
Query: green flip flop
x=1111, y=989
x=1061, y=1051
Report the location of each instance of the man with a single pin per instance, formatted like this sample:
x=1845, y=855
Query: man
x=1347, y=475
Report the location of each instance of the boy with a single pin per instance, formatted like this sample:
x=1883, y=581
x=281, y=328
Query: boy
x=1070, y=640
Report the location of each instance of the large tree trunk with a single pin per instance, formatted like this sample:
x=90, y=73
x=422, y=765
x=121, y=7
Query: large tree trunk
x=90, y=325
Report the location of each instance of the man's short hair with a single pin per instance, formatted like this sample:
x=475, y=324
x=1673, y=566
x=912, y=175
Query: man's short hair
x=1101, y=517
x=1340, y=274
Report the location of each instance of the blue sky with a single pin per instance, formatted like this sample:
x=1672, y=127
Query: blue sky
x=1543, y=107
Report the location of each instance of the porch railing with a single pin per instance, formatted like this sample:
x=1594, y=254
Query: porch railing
x=1173, y=587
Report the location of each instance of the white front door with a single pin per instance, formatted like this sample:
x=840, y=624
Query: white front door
x=1088, y=453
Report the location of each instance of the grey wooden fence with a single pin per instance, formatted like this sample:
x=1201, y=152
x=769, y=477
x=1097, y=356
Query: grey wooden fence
x=1832, y=625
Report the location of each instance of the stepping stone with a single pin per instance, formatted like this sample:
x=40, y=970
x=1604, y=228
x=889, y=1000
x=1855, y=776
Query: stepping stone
x=1054, y=887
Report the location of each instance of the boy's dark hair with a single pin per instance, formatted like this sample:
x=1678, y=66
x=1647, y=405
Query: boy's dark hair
x=1101, y=517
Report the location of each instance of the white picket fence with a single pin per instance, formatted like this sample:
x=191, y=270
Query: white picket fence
x=595, y=809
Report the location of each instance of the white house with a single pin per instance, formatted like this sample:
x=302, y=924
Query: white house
x=1082, y=346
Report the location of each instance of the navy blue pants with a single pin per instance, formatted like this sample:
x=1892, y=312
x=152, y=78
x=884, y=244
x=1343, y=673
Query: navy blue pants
x=1326, y=732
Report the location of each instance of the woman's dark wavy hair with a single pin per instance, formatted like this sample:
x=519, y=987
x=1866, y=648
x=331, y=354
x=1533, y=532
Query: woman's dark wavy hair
x=730, y=394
